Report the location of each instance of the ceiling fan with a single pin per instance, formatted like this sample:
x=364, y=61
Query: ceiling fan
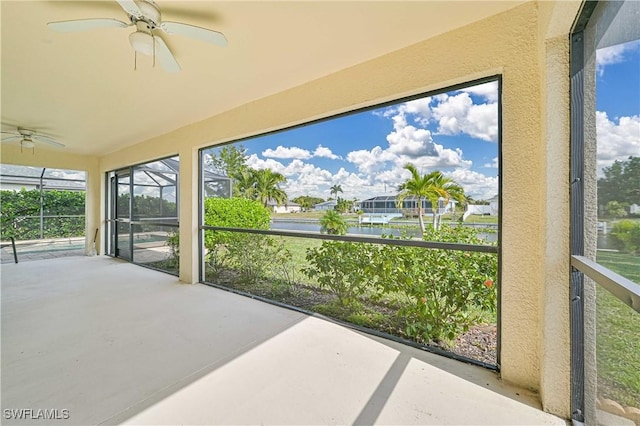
x=28, y=138
x=145, y=15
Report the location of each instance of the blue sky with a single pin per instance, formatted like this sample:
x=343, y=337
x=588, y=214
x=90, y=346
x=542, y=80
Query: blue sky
x=618, y=103
x=455, y=132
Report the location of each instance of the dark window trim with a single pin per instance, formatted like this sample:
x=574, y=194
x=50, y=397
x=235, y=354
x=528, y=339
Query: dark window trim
x=576, y=184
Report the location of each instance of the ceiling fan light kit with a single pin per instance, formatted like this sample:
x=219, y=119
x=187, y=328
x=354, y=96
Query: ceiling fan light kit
x=145, y=15
x=142, y=42
x=28, y=139
x=28, y=143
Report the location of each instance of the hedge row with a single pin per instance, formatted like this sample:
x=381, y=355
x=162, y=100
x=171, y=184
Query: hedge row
x=20, y=214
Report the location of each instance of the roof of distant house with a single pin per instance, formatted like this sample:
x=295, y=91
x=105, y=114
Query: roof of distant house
x=326, y=203
x=273, y=202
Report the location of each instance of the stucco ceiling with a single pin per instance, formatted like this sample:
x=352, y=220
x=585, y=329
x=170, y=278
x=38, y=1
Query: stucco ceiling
x=81, y=88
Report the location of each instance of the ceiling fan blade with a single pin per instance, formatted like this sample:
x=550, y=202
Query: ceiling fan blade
x=86, y=24
x=192, y=31
x=11, y=138
x=46, y=139
x=130, y=7
x=164, y=55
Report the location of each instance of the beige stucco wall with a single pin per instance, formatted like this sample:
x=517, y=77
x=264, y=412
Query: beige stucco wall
x=527, y=46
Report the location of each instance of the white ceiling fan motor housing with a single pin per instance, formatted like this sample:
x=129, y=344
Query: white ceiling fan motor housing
x=150, y=12
x=142, y=40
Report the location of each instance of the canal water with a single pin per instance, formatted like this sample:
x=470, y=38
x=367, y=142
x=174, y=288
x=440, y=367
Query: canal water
x=374, y=230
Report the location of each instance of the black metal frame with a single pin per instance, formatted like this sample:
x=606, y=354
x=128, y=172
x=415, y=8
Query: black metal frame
x=359, y=239
x=400, y=242
x=576, y=292
x=576, y=179
x=111, y=212
x=13, y=247
x=499, y=306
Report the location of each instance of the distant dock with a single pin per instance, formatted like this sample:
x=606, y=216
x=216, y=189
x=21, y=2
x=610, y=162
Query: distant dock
x=377, y=218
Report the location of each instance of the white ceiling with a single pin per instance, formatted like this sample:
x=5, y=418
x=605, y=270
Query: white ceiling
x=81, y=87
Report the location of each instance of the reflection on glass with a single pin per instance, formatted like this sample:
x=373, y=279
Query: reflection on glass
x=157, y=247
x=123, y=239
x=146, y=210
x=155, y=190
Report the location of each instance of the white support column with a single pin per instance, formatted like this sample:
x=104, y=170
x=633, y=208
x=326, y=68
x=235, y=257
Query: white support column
x=188, y=215
x=555, y=368
x=94, y=202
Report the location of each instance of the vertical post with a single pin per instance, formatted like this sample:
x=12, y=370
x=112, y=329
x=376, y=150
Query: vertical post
x=200, y=251
x=131, y=216
x=577, y=225
x=42, y=203
x=187, y=194
x=92, y=204
x=13, y=247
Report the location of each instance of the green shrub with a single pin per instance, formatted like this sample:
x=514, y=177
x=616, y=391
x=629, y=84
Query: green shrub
x=440, y=292
x=626, y=236
x=340, y=267
x=233, y=213
x=254, y=256
x=173, y=241
x=333, y=223
x=20, y=211
x=444, y=291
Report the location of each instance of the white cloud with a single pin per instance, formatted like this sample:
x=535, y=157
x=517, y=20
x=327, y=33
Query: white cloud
x=256, y=162
x=616, y=141
x=380, y=170
x=323, y=151
x=409, y=140
x=613, y=55
x=370, y=161
x=283, y=152
x=458, y=114
x=375, y=177
x=493, y=164
x=489, y=90
x=444, y=158
x=476, y=185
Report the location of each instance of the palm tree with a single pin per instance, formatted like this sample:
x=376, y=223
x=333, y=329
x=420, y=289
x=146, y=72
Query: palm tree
x=333, y=223
x=335, y=189
x=444, y=188
x=432, y=187
x=244, y=184
x=416, y=186
x=266, y=186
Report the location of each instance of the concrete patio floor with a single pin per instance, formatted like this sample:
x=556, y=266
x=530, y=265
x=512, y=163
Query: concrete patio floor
x=114, y=343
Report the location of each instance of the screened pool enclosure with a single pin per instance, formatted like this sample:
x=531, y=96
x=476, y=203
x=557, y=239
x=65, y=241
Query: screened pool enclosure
x=43, y=209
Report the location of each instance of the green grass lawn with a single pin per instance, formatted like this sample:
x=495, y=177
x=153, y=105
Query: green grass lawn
x=618, y=336
x=474, y=218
